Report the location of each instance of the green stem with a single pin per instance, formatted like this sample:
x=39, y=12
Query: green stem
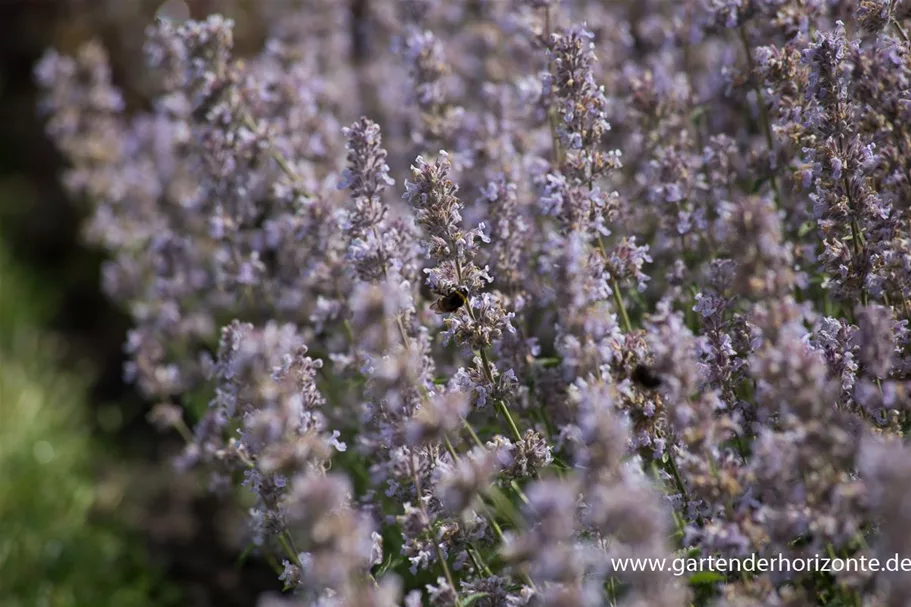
x=509, y=420
x=504, y=505
x=184, y=430
x=677, y=480
x=451, y=450
x=479, y=564
x=618, y=297
x=277, y=156
x=504, y=408
x=270, y=560
x=440, y=557
x=285, y=540
x=515, y=486
x=474, y=435
x=615, y=286
x=493, y=523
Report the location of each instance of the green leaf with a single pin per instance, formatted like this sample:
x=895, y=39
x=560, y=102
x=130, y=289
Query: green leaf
x=560, y=464
x=391, y=563
x=243, y=556
x=548, y=362
x=707, y=577
x=471, y=598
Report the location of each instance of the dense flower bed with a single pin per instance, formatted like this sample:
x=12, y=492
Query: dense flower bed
x=642, y=293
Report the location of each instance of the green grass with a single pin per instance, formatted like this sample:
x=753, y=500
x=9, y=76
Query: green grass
x=56, y=550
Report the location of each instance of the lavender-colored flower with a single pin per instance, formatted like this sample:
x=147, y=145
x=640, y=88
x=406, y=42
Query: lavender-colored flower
x=877, y=335
x=663, y=313
x=463, y=481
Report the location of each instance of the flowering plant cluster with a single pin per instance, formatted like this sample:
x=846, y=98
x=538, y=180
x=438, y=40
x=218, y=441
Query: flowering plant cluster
x=643, y=292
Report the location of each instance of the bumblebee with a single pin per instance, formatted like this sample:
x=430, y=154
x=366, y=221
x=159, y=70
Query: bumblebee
x=646, y=377
x=451, y=302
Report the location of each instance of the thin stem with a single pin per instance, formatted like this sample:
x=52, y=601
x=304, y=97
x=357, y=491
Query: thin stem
x=509, y=420
x=504, y=408
x=436, y=545
x=451, y=449
x=493, y=523
x=184, y=430
x=279, y=158
x=499, y=533
x=615, y=286
x=474, y=435
x=901, y=31
x=479, y=563
x=505, y=505
x=618, y=297
x=677, y=480
x=515, y=486
x=487, y=513
x=270, y=560
x=285, y=540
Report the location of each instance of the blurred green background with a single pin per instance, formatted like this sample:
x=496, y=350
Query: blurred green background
x=60, y=545
x=91, y=513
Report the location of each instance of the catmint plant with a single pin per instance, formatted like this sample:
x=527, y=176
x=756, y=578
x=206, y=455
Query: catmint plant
x=468, y=302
